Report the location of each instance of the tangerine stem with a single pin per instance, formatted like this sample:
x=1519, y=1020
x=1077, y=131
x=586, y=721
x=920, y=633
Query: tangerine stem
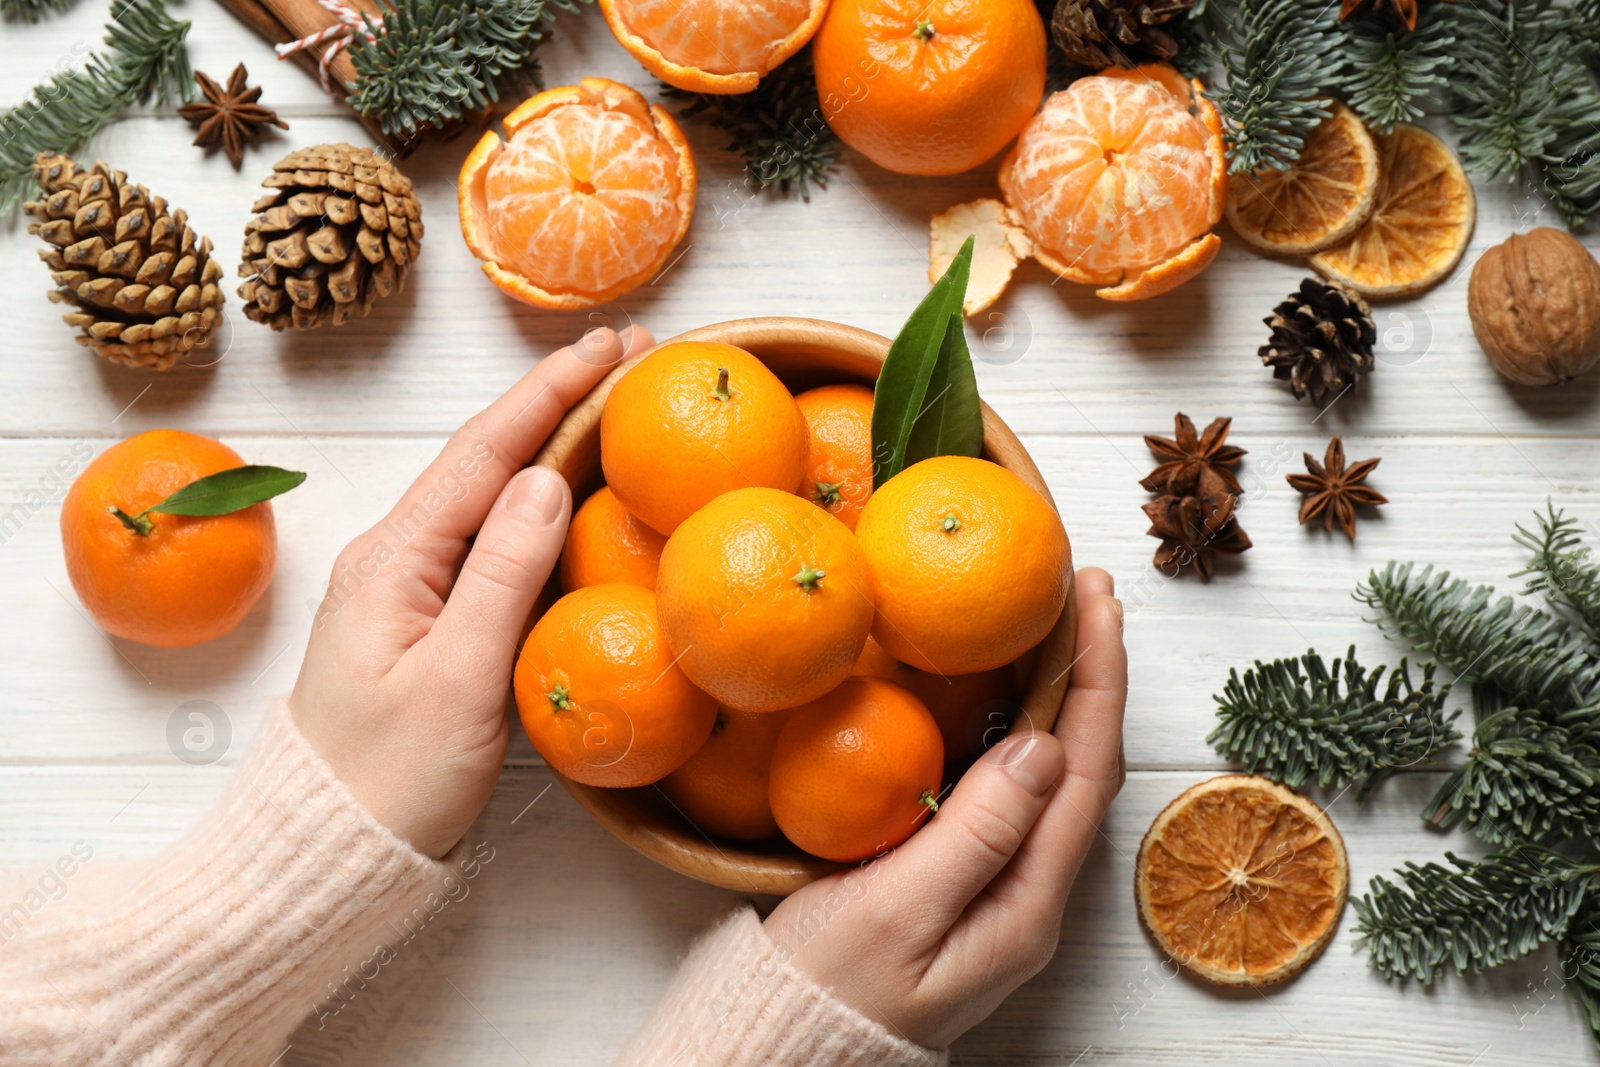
x=924, y=30
x=929, y=800
x=137, y=523
x=560, y=697
x=809, y=576
x=828, y=493
x=950, y=524
x=722, y=391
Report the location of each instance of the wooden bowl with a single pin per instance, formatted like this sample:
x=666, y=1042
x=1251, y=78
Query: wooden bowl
x=804, y=353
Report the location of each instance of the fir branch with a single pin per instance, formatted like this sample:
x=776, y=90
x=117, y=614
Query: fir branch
x=437, y=60
x=32, y=10
x=1531, y=776
x=1534, y=658
x=1330, y=726
x=1275, y=57
x=779, y=128
x=1390, y=73
x=1474, y=917
x=144, y=59
x=1570, y=175
x=1516, y=81
x=1561, y=565
x=1580, y=963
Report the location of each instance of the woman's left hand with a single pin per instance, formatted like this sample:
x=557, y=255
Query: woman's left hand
x=403, y=687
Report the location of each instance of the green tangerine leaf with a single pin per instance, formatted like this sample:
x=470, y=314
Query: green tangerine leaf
x=951, y=421
x=228, y=491
x=914, y=356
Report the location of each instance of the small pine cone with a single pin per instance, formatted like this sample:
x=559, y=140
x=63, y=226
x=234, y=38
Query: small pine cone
x=1322, y=340
x=1096, y=34
x=340, y=228
x=143, y=284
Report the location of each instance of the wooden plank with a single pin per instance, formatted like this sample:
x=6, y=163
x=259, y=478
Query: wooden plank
x=565, y=940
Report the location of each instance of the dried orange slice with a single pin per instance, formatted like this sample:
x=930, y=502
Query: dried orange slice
x=1316, y=203
x=1119, y=179
x=713, y=46
x=1242, y=881
x=586, y=198
x=1420, y=225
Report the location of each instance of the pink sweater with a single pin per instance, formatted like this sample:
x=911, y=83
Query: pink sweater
x=211, y=952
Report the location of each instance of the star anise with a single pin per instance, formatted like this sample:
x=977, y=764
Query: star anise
x=1195, y=464
x=1333, y=490
x=1193, y=531
x=230, y=116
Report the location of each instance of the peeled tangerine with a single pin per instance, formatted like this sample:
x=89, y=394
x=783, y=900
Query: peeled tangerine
x=1118, y=181
x=584, y=202
x=713, y=46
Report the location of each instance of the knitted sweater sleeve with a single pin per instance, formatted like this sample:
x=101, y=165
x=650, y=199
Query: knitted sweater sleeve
x=212, y=951
x=737, y=1001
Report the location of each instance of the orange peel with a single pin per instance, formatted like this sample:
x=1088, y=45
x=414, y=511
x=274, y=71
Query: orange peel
x=1119, y=180
x=580, y=185
x=679, y=42
x=1001, y=244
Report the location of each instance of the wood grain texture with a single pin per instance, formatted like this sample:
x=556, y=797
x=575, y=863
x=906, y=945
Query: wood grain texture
x=564, y=946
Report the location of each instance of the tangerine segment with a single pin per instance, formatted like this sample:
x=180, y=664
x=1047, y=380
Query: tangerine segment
x=599, y=694
x=1420, y=226
x=929, y=86
x=1242, y=881
x=693, y=420
x=1318, y=201
x=713, y=46
x=584, y=202
x=765, y=598
x=1118, y=173
x=856, y=772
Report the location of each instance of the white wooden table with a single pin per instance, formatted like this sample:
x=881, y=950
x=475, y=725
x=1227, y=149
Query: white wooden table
x=566, y=940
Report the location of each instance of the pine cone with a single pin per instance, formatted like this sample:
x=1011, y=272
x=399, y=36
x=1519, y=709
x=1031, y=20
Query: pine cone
x=145, y=287
x=1322, y=340
x=340, y=228
x=1096, y=34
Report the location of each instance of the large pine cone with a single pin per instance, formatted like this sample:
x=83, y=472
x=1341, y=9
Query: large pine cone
x=340, y=229
x=1096, y=34
x=145, y=287
x=1322, y=340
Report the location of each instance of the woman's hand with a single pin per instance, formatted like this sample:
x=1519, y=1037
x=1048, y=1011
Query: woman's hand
x=929, y=939
x=403, y=688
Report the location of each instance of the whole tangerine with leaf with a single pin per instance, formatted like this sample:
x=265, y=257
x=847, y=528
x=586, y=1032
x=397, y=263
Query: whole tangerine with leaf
x=838, y=475
x=929, y=86
x=169, y=539
x=1119, y=179
x=693, y=420
x=856, y=772
x=599, y=692
x=712, y=46
x=607, y=543
x=722, y=789
x=765, y=599
x=584, y=200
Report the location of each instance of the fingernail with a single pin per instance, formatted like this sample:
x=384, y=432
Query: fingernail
x=601, y=347
x=537, y=494
x=1116, y=606
x=1033, y=764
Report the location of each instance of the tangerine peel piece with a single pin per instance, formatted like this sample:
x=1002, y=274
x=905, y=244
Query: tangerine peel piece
x=1001, y=244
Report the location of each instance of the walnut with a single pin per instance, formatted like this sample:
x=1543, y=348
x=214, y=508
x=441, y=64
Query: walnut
x=1535, y=307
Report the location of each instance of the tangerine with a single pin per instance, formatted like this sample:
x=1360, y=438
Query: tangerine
x=606, y=543
x=190, y=578
x=765, y=598
x=971, y=710
x=599, y=694
x=712, y=46
x=1119, y=179
x=693, y=420
x=970, y=566
x=929, y=86
x=722, y=789
x=838, y=474
x=856, y=771
x=584, y=202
